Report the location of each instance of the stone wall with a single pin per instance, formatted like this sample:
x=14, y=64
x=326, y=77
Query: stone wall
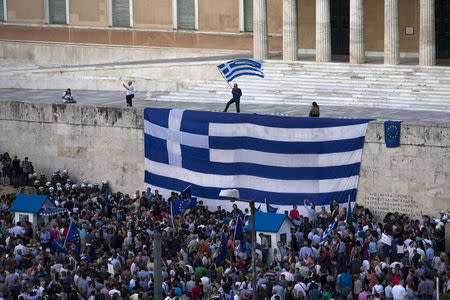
x=412, y=178
x=107, y=143
x=93, y=143
x=67, y=54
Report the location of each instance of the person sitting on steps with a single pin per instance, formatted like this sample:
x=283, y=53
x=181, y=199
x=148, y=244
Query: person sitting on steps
x=67, y=97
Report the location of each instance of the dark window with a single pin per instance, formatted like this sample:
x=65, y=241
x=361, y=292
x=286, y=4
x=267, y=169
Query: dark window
x=248, y=15
x=283, y=238
x=57, y=11
x=121, y=13
x=2, y=13
x=186, y=14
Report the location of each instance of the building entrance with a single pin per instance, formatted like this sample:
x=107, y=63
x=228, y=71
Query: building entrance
x=340, y=26
x=443, y=29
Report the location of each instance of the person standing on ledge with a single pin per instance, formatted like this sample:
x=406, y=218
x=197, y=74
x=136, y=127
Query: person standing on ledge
x=130, y=93
x=315, y=111
x=237, y=93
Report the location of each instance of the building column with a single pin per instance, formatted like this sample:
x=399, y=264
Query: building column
x=260, y=45
x=323, y=31
x=290, y=41
x=391, y=33
x=427, y=46
x=357, y=44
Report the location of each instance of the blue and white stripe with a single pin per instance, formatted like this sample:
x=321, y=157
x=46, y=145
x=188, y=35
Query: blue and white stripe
x=239, y=67
x=285, y=160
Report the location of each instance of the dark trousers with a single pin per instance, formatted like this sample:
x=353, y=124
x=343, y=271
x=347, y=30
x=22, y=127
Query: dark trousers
x=236, y=101
x=129, y=100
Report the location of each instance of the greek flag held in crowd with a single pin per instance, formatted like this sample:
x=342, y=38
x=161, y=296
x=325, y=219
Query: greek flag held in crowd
x=282, y=160
x=239, y=67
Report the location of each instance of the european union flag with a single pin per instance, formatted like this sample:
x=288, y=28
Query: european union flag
x=73, y=236
x=392, y=133
x=222, y=254
x=57, y=247
x=183, y=204
x=239, y=234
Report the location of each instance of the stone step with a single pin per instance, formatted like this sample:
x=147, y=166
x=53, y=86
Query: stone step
x=328, y=98
x=330, y=86
x=324, y=101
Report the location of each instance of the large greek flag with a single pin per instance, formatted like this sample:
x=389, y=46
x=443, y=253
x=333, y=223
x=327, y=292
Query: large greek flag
x=239, y=67
x=283, y=160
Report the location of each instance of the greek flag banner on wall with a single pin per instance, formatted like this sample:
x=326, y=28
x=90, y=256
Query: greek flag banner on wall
x=239, y=67
x=281, y=160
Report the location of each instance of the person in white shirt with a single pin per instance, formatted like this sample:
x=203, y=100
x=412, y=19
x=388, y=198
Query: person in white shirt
x=398, y=291
x=20, y=247
x=388, y=292
x=130, y=93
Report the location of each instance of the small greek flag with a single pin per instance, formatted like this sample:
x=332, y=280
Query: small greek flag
x=239, y=67
x=329, y=230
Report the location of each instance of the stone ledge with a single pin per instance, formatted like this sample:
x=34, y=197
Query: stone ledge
x=72, y=114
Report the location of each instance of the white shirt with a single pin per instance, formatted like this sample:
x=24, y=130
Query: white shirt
x=114, y=291
x=20, y=247
x=399, y=292
x=130, y=90
x=388, y=291
x=300, y=287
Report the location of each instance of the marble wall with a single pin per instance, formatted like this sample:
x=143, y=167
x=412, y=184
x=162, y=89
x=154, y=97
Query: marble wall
x=107, y=143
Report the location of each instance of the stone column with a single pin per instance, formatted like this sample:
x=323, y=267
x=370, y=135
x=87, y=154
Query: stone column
x=323, y=31
x=391, y=33
x=357, y=44
x=427, y=46
x=260, y=45
x=290, y=41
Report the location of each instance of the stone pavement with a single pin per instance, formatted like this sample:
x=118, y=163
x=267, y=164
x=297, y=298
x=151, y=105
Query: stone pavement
x=117, y=99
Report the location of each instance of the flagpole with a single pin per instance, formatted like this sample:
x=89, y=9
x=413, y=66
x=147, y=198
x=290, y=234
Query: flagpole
x=70, y=224
x=220, y=71
x=171, y=214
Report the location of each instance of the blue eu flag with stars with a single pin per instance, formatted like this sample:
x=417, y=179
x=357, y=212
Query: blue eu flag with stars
x=222, y=254
x=392, y=133
x=55, y=246
x=73, y=236
x=183, y=204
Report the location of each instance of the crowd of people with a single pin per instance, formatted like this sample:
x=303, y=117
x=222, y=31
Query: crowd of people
x=363, y=258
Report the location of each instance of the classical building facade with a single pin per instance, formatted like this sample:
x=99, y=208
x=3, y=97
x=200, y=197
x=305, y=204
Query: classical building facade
x=353, y=28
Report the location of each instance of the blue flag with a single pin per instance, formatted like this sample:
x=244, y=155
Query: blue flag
x=222, y=254
x=392, y=133
x=278, y=158
x=57, y=247
x=329, y=230
x=239, y=233
x=183, y=204
x=73, y=236
x=270, y=208
x=238, y=67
